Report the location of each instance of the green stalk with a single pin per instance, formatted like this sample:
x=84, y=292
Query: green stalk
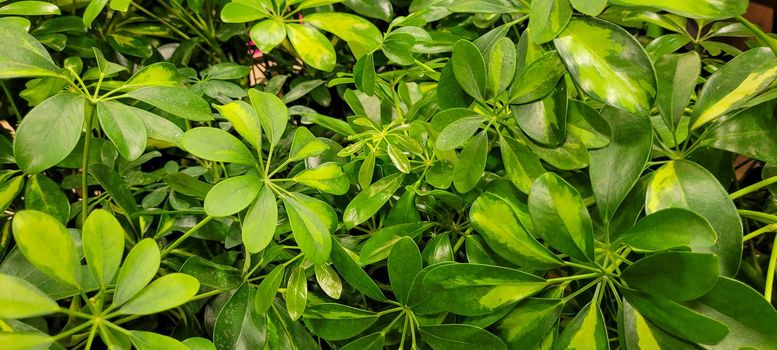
x=758, y=216
x=186, y=235
x=9, y=96
x=760, y=231
x=762, y=37
x=85, y=166
x=754, y=187
x=770, y=273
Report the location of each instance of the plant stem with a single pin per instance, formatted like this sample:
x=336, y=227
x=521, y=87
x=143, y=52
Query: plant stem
x=574, y=277
x=72, y=331
x=186, y=235
x=581, y=290
x=754, y=187
x=770, y=273
x=758, y=216
x=760, y=231
x=9, y=96
x=765, y=39
x=581, y=266
x=84, y=167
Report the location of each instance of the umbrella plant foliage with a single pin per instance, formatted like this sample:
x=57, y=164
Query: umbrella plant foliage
x=370, y=174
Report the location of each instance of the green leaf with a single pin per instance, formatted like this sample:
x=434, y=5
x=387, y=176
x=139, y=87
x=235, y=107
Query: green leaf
x=473, y=289
x=9, y=190
x=152, y=341
x=677, y=76
x=678, y=184
x=267, y=34
x=458, y=132
x=103, y=243
x=361, y=35
x=185, y=184
x=638, y=333
x=211, y=274
x=139, y=268
x=159, y=128
x=485, y=6
x=24, y=56
x=548, y=19
x=92, y=11
x=589, y=7
x=155, y=74
x=45, y=242
x=670, y=228
x=617, y=167
x=311, y=234
x=676, y=319
x=449, y=93
x=296, y=293
x=396, y=46
x=586, y=331
x=232, y=195
x=327, y=177
x=735, y=83
x=404, y=262
x=718, y=9
x=529, y=323
x=501, y=66
x=305, y=145
x=241, y=12
x=560, y=217
x=260, y=221
x=216, y=145
x=545, y=121
x=30, y=8
x=521, y=164
x=678, y=276
x=459, y=337
x=43, y=194
x=469, y=68
x=120, y=124
x=751, y=320
x=25, y=341
x=244, y=120
x=608, y=64
x=165, y=293
x=380, y=9
x=265, y=292
x=372, y=341
x=538, y=79
x=337, y=322
x=507, y=236
x=272, y=114
x=312, y=47
x=177, y=101
x=346, y=264
x=749, y=132
x=370, y=200
x=588, y=125
x=49, y=132
x=238, y=325
x=472, y=163
x=364, y=75
x=115, y=185
x=21, y=299
x=329, y=281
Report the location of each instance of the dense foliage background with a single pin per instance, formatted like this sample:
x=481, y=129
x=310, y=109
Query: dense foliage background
x=369, y=174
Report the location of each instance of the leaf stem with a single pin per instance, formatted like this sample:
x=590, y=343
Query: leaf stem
x=765, y=39
x=754, y=187
x=72, y=331
x=766, y=229
x=186, y=235
x=85, y=166
x=581, y=290
x=770, y=273
x=575, y=277
x=581, y=266
x=758, y=216
x=9, y=96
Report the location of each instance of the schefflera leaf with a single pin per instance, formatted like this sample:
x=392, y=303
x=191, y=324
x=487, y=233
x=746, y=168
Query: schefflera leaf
x=103, y=244
x=719, y=9
x=21, y=299
x=165, y=293
x=670, y=228
x=475, y=289
x=587, y=330
x=310, y=232
x=139, y=268
x=507, y=236
x=560, y=216
x=46, y=243
x=731, y=86
x=529, y=323
x=678, y=276
x=684, y=184
x=608, y=64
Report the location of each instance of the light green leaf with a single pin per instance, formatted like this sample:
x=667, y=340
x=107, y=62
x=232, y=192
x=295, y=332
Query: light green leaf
x=468, y=172
x=21, y=299
x=328, y=177
x=670, y=228
x=548, y=19
x=180, y=102
x=267, y=34
x=589, y=7
x=640, y=334
x=153, y=341
x=9, y=190
x=232, y=195
x=260, y=222
x=501, y=66
x=521, y=165
x=25, y=341
x=608, y=64
x=538, y=79
x=311, y=234
x=529, y=323
x=30, y=8
x=45, y=243
x=244, y=120
x=710, y=9
x=139, y=268
x=245, y=11
x=216, y=145
x=44, y=194
x=677, y=185
x=305, y=145
x=312, y=46
x=103, y=243
x=469, y=68
x=24, y=56
x=507, y=236
x=588, y=125
x=120, y=124
x=296, y=293
x=329, y=281
x=272, y=114
x=560, y=217
x=458, y=132
x=337, y=322
x=165, y=293
x=459, y=337
x=155, y=74
x=587, y=330
x=265, y=292
x=49, y=132
x=361, y=35
x=396, y=46
x=370, y=200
